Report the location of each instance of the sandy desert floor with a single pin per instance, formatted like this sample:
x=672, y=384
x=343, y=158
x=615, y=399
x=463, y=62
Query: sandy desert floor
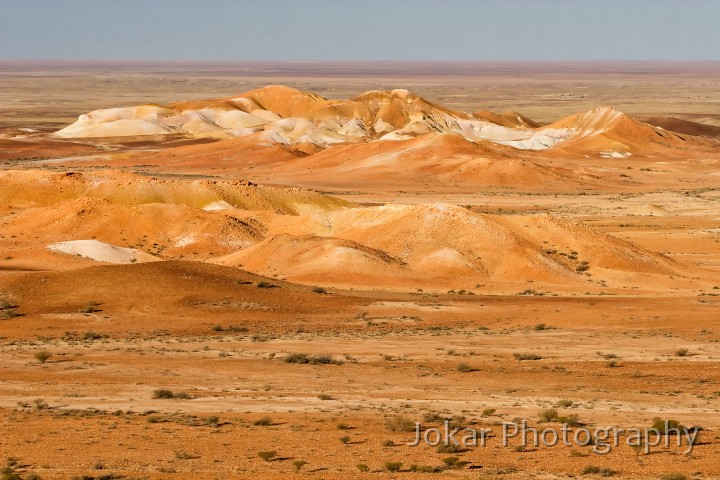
x=178, y=306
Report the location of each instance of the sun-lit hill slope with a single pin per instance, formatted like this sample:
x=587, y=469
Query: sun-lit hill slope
x=280, y=100
x=40, y=212
x=436, y=157
x=173, y=230
x=145, y=297
x=437, y=243
x=38, y=188
x=608, y=130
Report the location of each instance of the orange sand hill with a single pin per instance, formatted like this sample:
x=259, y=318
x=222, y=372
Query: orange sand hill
x=70, y=220
x=440, y=243
x=435, y=158
x=281, y=100
x=608, y=130
x=39, y=188
x=181, y=293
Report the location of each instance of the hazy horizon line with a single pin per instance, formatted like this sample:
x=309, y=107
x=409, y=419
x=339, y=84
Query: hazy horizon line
x=198, y=60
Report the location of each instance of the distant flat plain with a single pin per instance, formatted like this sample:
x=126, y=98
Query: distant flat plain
x=54, y=94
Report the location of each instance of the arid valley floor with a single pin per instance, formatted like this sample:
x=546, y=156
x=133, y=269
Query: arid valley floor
x=202, y=265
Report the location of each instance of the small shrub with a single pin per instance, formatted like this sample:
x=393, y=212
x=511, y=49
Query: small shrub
x=6, y=313
x=264, y=284
x=393, y=466
x=297, y=358
x=526, y=356
x=388, y=443
x=488, y=411
x=305, y=359
x=325, y=396
x=539, y=327
x=91, y=307
x=90, y=335
x=674, y=476
x=259, y=337
x=263, y=422
x=400, y=424
x=450, y=447
x=424, y=469
x=362, y=467
x=433, y=417
x=186, y=456
x=267, y=455
x=465, y=368
x=565, y=403
x=319, y=290
x=236, y=329
x=5, y=305
x=663, y=426
x=163, y=393
x=345, y=439
x=682, y=352
x=603, y=472
x=298, y=464
x=570, y=420
x=8, y=473
x=548, y=415
x=458, y=421
x=344, y=426
x=212, y=421
x=42, y=356
x=454, y=462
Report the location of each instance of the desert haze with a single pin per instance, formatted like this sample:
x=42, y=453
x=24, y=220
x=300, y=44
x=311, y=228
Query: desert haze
x=293, y=270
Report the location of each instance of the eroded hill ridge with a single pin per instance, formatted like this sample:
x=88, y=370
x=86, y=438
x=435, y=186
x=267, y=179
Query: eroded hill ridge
x=281, y=115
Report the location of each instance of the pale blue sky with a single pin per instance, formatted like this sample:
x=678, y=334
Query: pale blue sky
x=361, y=29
